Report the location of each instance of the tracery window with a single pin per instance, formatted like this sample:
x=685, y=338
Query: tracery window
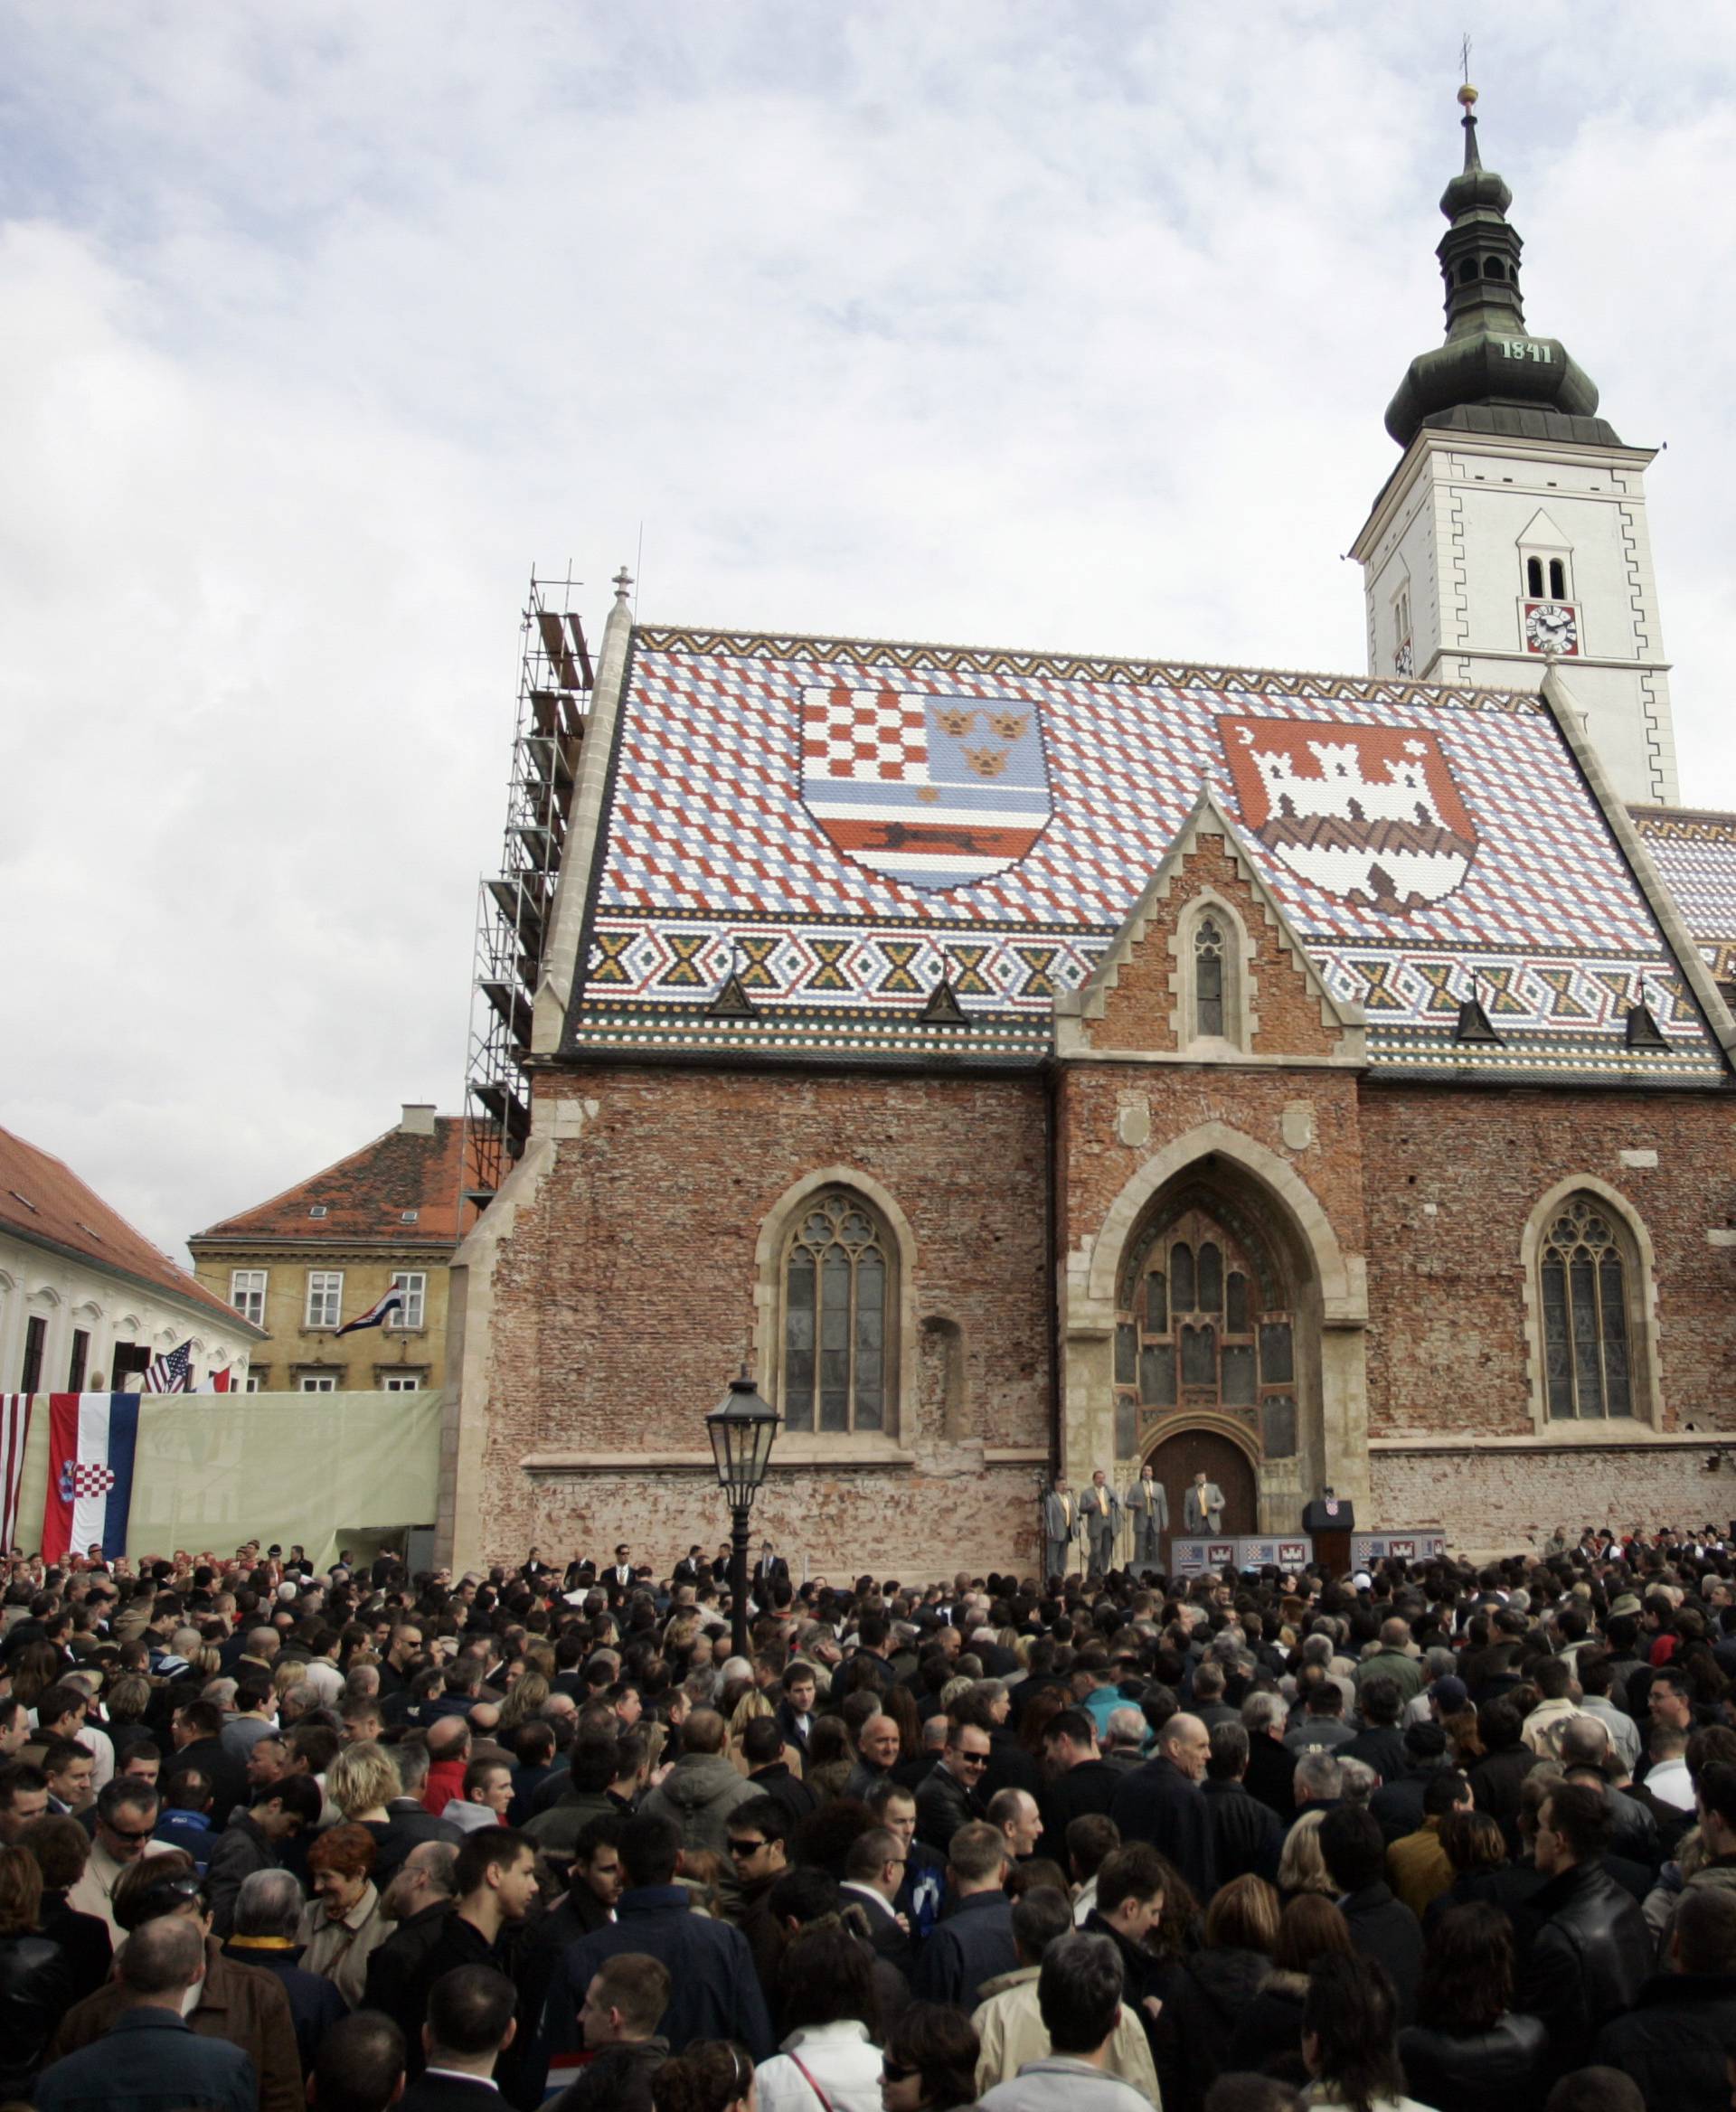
x=1585, y=1281
x=1205, y=1325
x=838, y=1275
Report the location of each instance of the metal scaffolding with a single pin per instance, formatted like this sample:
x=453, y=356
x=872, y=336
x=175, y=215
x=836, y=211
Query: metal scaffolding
x=516, y=904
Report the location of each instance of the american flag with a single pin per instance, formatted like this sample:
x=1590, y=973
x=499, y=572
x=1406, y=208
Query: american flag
x=172, y=1374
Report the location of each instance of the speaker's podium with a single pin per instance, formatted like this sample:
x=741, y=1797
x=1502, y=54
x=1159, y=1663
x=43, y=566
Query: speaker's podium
x=1329, y=1521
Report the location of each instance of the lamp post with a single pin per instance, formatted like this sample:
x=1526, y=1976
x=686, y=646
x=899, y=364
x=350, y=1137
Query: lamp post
x=742, y=1428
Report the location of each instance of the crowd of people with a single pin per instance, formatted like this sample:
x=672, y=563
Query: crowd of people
x=1427, y=1835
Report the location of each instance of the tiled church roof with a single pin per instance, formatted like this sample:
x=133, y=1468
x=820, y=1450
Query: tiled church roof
x=1695, y=853
x=833, y=822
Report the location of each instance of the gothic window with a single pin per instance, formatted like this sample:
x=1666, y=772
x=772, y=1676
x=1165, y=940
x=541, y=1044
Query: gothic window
x=1205, y=1325
x=1586, y=1281
x=838, y=1276
x=1208, y=977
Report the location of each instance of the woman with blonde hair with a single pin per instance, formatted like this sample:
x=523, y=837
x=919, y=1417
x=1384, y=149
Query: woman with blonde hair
x=1302, y=1868
x=524, y=1701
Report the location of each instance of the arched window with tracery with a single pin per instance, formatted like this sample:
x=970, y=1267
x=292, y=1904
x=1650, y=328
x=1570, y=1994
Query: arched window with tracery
x=1206, y=1323
x=1586, y=1281
x=839, y=1272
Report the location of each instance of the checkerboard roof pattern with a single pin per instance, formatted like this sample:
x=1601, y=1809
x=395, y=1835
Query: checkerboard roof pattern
x=711, y=861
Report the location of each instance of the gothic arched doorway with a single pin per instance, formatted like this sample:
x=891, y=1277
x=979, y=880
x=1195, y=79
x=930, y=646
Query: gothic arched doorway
x=1177, y=1459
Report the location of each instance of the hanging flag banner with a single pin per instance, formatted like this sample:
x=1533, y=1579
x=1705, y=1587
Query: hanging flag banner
x=14, y=1428
x=92, y=1439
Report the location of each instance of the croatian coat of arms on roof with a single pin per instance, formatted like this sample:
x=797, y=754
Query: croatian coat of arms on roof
x=935, y=791
x=1371, y=813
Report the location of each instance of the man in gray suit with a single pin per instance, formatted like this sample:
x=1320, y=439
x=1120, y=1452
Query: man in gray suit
x=1148, y=1506
x=1060, y=1524
x=1203, y=1507
x=1100, y=1509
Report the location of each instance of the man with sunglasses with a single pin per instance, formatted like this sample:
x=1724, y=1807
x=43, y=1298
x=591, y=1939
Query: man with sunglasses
x=949, y=1796
x=127, y=1815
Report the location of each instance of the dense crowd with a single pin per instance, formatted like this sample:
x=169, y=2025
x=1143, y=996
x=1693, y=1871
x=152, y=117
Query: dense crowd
x=1427, y=1835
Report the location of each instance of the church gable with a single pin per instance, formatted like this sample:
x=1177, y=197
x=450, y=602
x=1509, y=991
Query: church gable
x=1208, y=967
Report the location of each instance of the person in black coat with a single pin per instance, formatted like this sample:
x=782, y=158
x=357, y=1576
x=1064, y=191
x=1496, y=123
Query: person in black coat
x=1162, y=1802
x=470, y=2025
x=1247, y=1836
x=1675, y=2041
x=1591, y=1951
x=1469, y=2050
x=1213, y=1988
x=1381, y=1927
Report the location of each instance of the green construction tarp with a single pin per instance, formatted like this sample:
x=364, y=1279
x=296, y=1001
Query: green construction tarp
x=215, y=1469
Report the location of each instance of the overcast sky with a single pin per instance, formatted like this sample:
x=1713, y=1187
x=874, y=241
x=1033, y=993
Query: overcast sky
x=1025, y=325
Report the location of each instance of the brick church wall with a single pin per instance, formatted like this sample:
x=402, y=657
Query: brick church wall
x=624, y=1301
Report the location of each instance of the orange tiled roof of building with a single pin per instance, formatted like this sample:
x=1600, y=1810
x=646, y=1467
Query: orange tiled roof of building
x=366, y=1197
x=42, y=1199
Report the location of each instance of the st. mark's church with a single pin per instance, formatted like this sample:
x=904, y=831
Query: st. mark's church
x=1021, y=1061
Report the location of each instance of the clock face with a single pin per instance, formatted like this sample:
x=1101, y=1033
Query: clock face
x=1551, y=627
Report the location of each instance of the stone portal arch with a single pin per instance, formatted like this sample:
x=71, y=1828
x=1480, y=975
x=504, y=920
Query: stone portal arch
x=1274, y=1365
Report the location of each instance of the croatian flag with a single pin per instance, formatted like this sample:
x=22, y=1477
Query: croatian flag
x=375, y=1315
x=91, y=1438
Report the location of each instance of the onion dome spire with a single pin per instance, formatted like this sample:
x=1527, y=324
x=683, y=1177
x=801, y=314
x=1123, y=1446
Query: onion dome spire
x=1490, y=375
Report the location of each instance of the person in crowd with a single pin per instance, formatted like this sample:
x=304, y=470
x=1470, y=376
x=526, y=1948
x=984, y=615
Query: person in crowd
x=974, y=1941
x=256, y=1838
x=35, y=1976
x=1212, y=1988
x=715, y=1992
x=830, y=2022
x=342, y=1923
x=61, y=1848
x=1469, y=2050
x=930, y=2063
x=1079, y=2001
x=360, y=2066
x=623, y=2005
x=1009, y=2020
x=1590, y=1951
x=1266, y=2037
x=714, y=2075
x=1676, y=2042
x=227, y=2001
x=1381, y=1927
x=147, y=2054
x=264, y=1932
x=472, y=2020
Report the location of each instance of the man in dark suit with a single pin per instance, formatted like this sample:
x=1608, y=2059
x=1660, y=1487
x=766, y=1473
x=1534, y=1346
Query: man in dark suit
x=1162, y=1802
x=873, y=1870
x=1380, y=1926
x=470, y=2025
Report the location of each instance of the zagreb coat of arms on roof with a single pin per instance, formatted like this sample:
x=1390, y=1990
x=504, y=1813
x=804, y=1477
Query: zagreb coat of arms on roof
x=935, y=791
x=1370, y=813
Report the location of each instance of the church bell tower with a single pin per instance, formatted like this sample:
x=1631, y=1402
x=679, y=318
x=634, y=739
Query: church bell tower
x=1513, y=531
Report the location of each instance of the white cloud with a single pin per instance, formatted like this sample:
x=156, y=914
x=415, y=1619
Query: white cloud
x=989, y=323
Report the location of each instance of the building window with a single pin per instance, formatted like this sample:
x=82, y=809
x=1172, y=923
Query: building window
x=1587, y=1370
x=413, y=1283
x=838, y=1304
x=35, y=1348
x=247, y=1293
x=78, y=1363
x=402, y=1383
x=325, y=1299
x=1208, y=977
x=317, y=1382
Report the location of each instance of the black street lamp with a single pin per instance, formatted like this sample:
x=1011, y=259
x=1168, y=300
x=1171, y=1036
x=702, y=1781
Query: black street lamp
x=742, y=1428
